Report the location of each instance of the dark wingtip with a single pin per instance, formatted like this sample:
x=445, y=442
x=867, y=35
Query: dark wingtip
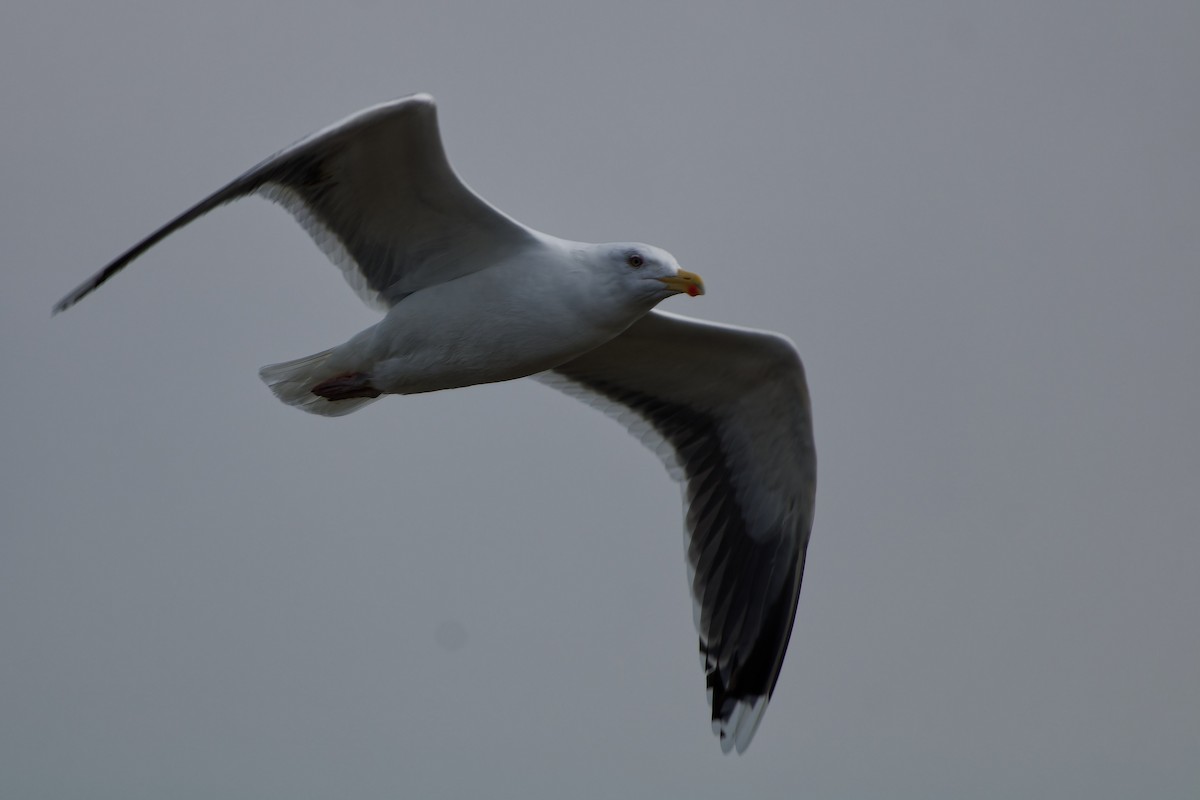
x=75, y=296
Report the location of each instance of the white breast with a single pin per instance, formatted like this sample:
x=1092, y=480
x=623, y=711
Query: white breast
x=514, y=319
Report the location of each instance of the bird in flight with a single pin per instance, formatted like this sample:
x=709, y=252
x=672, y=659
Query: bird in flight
x=472, y=296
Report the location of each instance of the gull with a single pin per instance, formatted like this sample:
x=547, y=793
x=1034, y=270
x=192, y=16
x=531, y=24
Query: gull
x=471, y=296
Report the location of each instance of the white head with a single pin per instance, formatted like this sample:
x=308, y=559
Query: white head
x=649, y=273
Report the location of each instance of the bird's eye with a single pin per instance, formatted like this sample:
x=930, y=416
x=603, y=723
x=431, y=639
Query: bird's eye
x=634, y=260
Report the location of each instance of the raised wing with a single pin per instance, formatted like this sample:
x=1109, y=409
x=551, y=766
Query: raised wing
x=376, y=193
x=727, y=410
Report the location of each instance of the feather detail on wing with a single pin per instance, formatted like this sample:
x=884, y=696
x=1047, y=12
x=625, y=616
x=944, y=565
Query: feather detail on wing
x=727, y=410
x=377, y=194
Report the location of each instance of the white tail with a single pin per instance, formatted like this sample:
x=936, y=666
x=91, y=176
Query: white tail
x=293, y=382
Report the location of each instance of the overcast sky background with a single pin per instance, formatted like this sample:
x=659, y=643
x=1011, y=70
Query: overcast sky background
x=979, y=222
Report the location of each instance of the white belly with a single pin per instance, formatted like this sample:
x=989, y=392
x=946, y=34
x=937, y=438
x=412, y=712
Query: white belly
x=487, y=327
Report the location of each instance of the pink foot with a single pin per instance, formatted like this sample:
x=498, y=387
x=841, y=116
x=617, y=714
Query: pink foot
x=346, y=387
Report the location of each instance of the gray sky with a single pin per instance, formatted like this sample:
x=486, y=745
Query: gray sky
x=978, y=222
